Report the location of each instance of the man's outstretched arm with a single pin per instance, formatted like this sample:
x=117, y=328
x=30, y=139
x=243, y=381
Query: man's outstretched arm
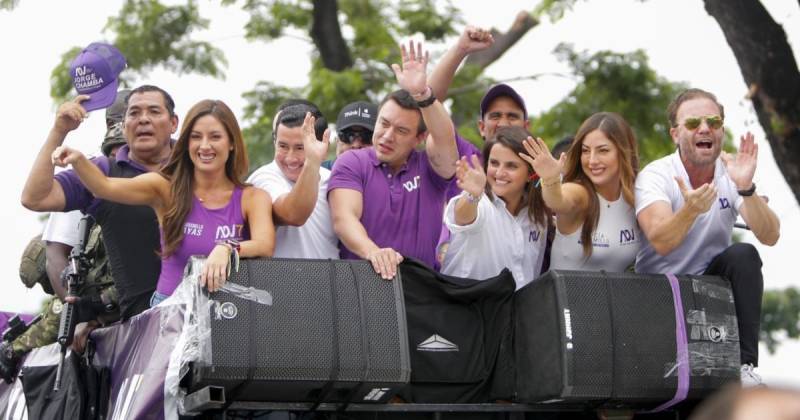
x=346, y=207
x=441, y=144
x=41, y=191
x=666, y=230
x=472, y=39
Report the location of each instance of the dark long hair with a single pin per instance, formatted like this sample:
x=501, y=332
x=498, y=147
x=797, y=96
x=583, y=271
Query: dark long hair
x=512, y=137
x=621, y=135
x=180, y=169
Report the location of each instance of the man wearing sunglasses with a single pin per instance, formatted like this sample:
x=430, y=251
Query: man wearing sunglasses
x=687, y=203
x=354, y=127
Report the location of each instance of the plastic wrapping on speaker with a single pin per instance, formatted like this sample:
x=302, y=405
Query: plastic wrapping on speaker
x=713, y=341
x=193, y=345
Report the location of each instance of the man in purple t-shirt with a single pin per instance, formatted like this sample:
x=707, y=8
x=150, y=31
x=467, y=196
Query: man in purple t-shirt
x=387, y=201
x=130, y=233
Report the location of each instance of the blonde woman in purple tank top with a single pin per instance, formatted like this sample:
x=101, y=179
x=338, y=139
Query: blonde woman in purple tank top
x=202, y=182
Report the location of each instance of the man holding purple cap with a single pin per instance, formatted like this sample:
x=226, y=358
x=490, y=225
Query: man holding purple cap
x=130, y=233
x=95, y=72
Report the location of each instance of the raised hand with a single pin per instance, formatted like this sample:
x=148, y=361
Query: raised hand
x=541, y=160
x=742, y=166
x=412, y=75
x=474, y=39
x=315, y=150
x=71, y=114
x=471, y=179
x=64, y=156
x=699, y=200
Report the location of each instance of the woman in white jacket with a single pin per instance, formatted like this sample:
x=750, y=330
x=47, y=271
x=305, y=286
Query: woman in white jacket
x=499, y=220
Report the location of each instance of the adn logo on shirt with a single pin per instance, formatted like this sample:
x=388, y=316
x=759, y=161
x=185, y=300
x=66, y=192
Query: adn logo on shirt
x=232, y=231
x=411, y=185
x=627, y=237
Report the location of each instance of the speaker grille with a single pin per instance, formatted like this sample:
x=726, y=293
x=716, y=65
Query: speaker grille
x=296, y=340
x=382, y=323
x=615, y=339
x=328, y=321
x=644, y=336
x=587, y=302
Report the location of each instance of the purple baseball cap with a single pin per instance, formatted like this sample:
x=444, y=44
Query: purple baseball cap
x=95, y=72
x=502, y=89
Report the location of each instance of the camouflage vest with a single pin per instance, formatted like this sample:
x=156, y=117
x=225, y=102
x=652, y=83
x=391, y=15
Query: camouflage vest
x=32, y=267
x=98, y=279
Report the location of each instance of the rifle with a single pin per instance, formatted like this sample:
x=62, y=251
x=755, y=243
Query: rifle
x=79, y=262
x=17, y=327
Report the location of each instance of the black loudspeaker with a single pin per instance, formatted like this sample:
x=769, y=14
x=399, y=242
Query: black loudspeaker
x=610, y=338
x=333, y=332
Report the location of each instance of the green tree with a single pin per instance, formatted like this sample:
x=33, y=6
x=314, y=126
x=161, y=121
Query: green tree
x=8, y=4
x=621, y=83
x=780, y=314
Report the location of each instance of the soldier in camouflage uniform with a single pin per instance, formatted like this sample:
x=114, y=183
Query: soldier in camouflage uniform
x=98, y=300
x=98, y=296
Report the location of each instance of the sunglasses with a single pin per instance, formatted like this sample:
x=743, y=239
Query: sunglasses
x=713, y=121
x=348, y=137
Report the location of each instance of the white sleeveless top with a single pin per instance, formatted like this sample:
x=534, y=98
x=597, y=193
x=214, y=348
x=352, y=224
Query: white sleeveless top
x=615, y=242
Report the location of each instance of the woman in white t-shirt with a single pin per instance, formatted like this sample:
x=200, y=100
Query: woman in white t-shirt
x=596, y=225
x=499, y=220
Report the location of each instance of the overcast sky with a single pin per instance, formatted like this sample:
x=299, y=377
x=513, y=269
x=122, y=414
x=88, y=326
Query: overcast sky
x=683, y=42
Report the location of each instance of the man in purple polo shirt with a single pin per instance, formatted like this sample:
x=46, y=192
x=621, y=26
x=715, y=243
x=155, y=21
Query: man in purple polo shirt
x=387, y=200
x=130, y=233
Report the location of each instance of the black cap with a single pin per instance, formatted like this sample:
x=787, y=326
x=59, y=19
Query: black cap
x=502, y=90
x=362, y=114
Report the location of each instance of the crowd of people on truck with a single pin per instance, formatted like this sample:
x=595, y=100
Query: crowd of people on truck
x=404, y=184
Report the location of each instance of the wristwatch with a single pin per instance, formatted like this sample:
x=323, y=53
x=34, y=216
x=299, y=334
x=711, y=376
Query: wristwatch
x=234, y=244
x=471, y=198
x=748, y=192
x=426, y=102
